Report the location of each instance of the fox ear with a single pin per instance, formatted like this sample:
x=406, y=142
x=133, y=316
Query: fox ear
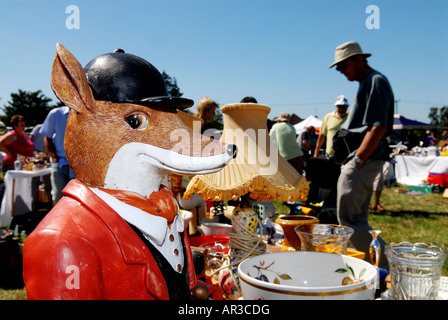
x=69, y=82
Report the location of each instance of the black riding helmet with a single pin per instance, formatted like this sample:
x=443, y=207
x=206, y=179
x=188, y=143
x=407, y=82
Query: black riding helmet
x=125, y=78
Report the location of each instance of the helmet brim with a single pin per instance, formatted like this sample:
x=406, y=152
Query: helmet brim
x=167, y=102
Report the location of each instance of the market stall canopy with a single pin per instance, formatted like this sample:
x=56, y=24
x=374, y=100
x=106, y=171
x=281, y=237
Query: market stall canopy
x=308, y=122
x=256, y=171
x=401, y=123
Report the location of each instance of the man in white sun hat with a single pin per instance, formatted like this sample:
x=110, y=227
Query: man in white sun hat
x=371, y=116
x=332, y=122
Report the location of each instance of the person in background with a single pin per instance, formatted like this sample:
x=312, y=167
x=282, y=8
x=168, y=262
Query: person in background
x=372, y=117
x=443, y=142
x=332, y=122
x=53, y=129
x=16, y=142
x=39, y=148
x=307, y=142
x=249, y=100
x=430, y=140
x=38, y=139
x=284, y=135
x=444, y=135
x=205, y=110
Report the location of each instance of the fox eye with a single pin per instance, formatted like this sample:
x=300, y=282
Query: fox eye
x=137, y=121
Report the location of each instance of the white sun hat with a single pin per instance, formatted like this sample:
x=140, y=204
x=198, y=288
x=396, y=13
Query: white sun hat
x=347, y=50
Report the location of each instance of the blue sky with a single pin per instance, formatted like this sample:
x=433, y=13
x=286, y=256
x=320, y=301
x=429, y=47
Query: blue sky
x=275, y=50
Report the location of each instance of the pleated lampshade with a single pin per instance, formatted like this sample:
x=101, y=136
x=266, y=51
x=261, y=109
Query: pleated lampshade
x=257, y=170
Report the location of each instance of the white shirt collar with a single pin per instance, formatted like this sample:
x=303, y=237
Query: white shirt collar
x=154, y=227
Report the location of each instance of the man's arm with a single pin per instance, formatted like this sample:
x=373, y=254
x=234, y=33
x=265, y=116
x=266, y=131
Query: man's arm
x=370, y=142
x=50, y=149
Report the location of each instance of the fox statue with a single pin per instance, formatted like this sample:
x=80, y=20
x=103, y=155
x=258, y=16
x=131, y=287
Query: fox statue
x=117, y=233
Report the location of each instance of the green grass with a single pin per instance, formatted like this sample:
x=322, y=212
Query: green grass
x=13, y=294
x=413, y=218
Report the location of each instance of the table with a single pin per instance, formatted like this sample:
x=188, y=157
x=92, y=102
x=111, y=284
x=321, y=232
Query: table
x=19, y=193
x=411, y=170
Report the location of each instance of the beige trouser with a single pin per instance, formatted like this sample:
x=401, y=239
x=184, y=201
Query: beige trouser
x=354, y=190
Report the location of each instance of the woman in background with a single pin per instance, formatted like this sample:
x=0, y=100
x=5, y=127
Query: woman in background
x=15, y=142
x=205, y=110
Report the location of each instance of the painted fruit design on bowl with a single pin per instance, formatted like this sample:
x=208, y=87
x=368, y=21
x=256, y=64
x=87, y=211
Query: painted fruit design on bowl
x=351, y=279
x=264, y=273
x=262, y=269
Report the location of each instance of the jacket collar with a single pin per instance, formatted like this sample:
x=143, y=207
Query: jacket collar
x=131, y=246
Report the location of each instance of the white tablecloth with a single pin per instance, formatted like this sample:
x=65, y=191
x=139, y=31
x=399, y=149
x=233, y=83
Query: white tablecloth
x=24, y=193
x=412, y=171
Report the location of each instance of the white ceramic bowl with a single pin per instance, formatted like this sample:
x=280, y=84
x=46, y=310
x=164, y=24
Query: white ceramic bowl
x=210, y=228
x=306, y=275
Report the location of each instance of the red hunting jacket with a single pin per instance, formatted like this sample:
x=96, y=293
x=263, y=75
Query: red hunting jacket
x=84, y=250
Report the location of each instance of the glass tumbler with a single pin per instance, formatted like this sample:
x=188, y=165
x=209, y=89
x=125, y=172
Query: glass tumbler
x=415, y=270
x=324, y=237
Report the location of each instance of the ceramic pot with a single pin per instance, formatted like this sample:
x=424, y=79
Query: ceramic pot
x=288, y=223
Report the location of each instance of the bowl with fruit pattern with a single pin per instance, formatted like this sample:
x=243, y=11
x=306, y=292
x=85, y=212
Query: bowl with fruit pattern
x=307, y=275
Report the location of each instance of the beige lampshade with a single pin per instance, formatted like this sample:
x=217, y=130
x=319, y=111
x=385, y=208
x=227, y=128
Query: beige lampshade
x=190, y=119
x=255, y=170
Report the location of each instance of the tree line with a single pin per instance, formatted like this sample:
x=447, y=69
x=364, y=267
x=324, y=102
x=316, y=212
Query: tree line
x=34, y=106
x=439, y=116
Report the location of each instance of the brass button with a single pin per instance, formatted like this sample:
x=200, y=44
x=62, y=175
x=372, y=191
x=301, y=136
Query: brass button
x=176, y=252
x=171, y=237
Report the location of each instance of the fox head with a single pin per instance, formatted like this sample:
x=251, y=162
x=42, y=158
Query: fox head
x=126, y=145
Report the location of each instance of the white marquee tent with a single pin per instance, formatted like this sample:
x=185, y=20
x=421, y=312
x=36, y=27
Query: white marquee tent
x=310, y=121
